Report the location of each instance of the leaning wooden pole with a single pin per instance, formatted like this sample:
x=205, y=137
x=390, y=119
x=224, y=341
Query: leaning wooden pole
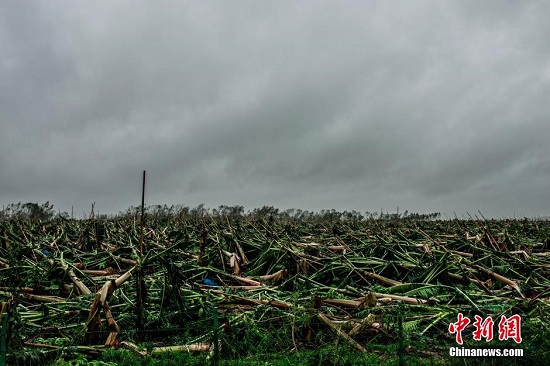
x=140, y=272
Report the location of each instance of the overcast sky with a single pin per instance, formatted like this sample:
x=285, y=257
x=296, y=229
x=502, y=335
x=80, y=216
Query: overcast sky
x=429, y=106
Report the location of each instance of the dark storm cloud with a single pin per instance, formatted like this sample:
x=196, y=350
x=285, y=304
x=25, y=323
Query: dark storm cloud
x=429, y=106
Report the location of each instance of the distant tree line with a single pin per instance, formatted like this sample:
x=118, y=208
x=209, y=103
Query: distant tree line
x=269, y=213
x=30, y=210
x=46, y=211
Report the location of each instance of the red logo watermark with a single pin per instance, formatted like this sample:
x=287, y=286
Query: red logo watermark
x=508, y=328
x=484, y=328
x=458, y=327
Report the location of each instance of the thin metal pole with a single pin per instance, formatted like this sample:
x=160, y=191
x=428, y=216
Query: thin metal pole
x=140, y=272
x=4, y=334
x=142, y=216
x=216, y=325
x=401, y=348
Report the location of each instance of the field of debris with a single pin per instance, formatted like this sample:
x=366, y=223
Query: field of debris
x=245, y=285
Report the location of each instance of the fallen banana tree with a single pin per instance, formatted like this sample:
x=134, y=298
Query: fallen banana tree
x=100, y=303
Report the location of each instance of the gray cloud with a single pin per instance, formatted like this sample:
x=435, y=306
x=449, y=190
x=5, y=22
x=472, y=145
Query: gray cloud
x=431, y=106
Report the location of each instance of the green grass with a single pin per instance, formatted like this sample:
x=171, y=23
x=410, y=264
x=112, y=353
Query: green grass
x=329, y=355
